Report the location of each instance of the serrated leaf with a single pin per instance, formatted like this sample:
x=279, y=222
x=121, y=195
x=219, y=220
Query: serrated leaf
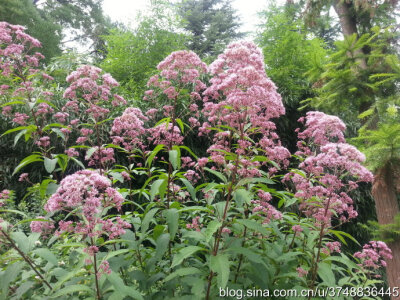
x=220, y=264
x=70, y=289
x=174, y=159
x=242, y=196
x=162, y=245
x=119, y=286
x=172, y=217
x=218, y=174
x=326, y=274
x=254, y=226
x=47, y=255
x=185, y=253
x=212, y=227
x=182, y=272
x=147, y=219
x=158, y=187
x=189, y=188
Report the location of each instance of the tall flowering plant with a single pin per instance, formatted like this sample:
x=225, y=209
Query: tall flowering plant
x=198, y=224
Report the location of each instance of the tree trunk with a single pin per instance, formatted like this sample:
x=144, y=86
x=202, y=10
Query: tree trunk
x=384, y=193
x=349, y=26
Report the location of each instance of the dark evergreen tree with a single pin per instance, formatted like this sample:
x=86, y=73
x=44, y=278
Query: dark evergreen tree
x=38, y=24
x=82, y=21
x=212, y=24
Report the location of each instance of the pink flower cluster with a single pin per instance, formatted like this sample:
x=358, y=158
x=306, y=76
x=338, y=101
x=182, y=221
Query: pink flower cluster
x=14, y=47
x=326, y=159
x=163, y=134
x=180, y=67
x=264, y=208
x=321, y=129
x=87, y=83
x=332, y=247
x=374, y=255
x=90, y=192
x=43, y=227
x=4, y=195
x=128, y=130
x=195, y=224
x=242, y=97
x=101, y=156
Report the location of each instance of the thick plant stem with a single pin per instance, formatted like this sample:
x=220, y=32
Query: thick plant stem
x=241, y=256
x=319, y=246
x=98, y=295
x=26, y=258
x=219, y=232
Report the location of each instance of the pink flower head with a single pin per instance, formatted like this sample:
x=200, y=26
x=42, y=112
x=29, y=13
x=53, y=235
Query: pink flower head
x=4, y=195
x=128, y=129
x=23, y=177
x=242, y=97
x=301, y=272
x=195, y=224
x=84, y=189
x=43, y=227
x=374, y=255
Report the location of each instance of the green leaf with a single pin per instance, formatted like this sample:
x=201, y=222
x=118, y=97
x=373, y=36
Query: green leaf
x=158, y=187
x=174, y=159
x=14, y=211
x=189, y=150
x=47, y=255
x=185, y=253
x=182, y=272
x=18, y=136
x=70, y=289
x=59, y=133
x=218, y=174
x=12, y=103
x=78, y=162
x=253, y=225
x=117, y=176
x=147, y=219
x=220, y=264
x=195, y=208
x=50, y=164
x=326, y=274
x=158, y=230
x=189, y=187
x=212, y=227
x=366, y=113
x=153, y=153
x=62, y=160
x=9, y=276
x=116, y=253
x=251, y=255
x=172, y=217
x=162, y=245
x=242, y=196
x=26, y=161
x=119, y=286
x=180, y=124
x=15, y=129
x=90, y=152
x=51, y=188
x=339, y=234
